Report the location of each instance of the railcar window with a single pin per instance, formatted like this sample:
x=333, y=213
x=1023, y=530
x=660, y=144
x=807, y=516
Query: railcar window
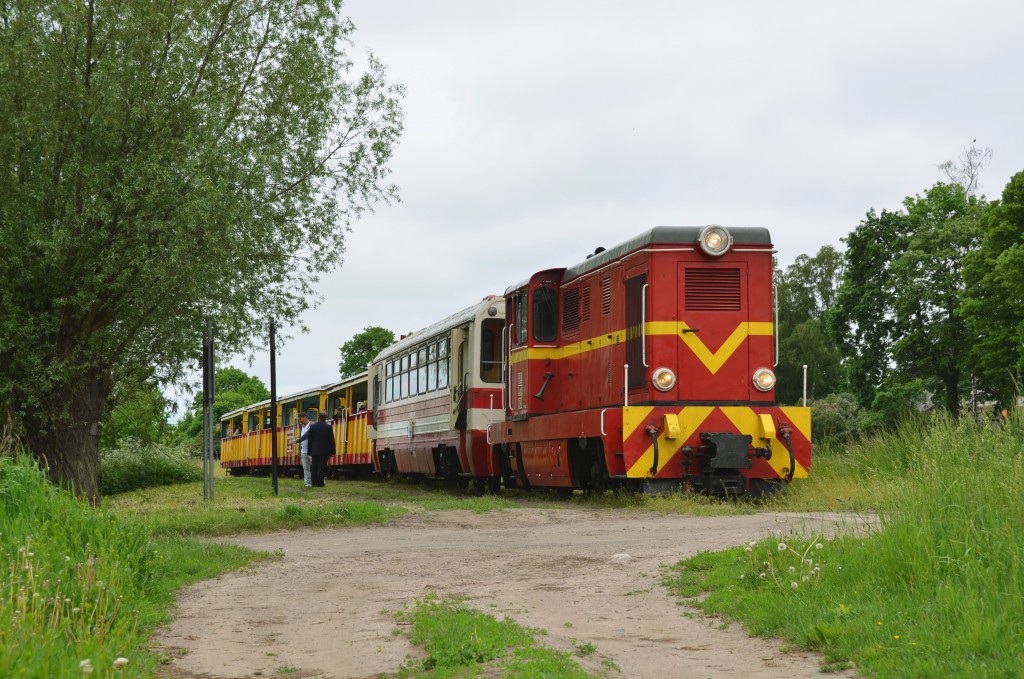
x=545, y=314
x=421, y=372
x=490, y=349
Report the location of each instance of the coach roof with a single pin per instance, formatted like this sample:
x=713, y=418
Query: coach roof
x=453, y=321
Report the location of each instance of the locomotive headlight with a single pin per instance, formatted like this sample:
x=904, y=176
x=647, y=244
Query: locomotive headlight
x=764, y=379
x=715, y=240
x=663, y=379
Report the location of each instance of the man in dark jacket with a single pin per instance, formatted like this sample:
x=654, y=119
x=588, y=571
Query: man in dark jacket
x=321, y=447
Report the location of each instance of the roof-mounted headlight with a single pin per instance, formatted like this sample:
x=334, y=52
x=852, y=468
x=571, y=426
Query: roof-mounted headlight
x=715, y=240
x=764, y=379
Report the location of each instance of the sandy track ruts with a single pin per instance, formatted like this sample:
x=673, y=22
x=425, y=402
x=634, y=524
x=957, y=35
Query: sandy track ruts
x=322, y=610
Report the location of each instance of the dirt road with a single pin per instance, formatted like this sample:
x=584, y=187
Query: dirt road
x=583, y=575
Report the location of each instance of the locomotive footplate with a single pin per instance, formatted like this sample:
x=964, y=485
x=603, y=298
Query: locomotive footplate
x=730, y=451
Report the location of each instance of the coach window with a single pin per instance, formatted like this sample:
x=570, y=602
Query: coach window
x=442, y=364
x=432, y=366
x=404, y=378
x=545, y=314
x=490, y=349
x=421, y=371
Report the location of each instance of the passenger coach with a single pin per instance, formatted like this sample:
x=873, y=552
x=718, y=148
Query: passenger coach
x=436, y=392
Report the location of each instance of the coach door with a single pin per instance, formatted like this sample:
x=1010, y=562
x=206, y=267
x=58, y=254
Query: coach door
x=460, y=377
x=713, y=348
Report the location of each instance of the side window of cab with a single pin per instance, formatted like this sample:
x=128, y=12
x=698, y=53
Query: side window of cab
x=545, y=314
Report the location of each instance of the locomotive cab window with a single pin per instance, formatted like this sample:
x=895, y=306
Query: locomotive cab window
x=545, y=314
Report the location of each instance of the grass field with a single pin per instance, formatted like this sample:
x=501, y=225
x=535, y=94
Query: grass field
x=938, y=591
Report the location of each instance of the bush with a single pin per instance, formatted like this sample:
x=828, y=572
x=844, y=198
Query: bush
x=134, y=465
x=837, y=417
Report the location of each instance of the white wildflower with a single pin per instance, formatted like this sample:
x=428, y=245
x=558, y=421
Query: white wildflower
x=85, y=666
x=120, y=662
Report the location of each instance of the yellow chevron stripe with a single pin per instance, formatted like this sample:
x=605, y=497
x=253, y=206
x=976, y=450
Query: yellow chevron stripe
x=746, y=422
x=713, y=360
x=690, y=419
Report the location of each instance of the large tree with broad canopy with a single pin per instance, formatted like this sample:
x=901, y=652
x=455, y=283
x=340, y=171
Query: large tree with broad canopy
x=166, y=163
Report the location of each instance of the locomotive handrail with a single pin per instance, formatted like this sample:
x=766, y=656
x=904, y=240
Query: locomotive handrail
x=603, y=432
x=625, y=385
x=775, y=325
x=503, y=369
x=643, y=324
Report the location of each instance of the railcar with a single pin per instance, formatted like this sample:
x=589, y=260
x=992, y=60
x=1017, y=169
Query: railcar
x=434, y=394
x=246, y=437
x=650, y=364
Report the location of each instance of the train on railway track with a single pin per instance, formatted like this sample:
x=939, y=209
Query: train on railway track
x=648, y=365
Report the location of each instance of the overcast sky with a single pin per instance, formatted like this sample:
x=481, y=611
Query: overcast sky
x=537, y=131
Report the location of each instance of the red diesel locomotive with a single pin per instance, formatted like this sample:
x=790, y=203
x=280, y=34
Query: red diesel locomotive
x=648, y=365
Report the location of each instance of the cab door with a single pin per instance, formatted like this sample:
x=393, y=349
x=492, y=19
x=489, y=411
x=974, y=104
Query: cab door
x=713, y=328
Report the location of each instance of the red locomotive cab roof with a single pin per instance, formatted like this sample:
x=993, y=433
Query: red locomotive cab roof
x=657, y=236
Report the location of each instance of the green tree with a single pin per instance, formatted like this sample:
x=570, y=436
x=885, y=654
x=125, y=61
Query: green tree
x=806, y=290
x=165, y=163
x=863, y=318
x=362, y=348
x=934, y=342
x=138, y=411
x=993, y=299
x=232, y=389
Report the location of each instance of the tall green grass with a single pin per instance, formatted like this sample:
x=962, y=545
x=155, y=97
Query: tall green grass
x=937, y=590
x=82, y=588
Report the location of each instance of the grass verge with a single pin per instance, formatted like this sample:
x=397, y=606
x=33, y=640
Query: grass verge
x=461, y=642
x=83, y=588
x=938, y=591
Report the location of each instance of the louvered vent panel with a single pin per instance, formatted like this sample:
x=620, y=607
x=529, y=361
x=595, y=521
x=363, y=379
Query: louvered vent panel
x=606, y=296
x=713, y=289
x=585, y=305
x=571, y=310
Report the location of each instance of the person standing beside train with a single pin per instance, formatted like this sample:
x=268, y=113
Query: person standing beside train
x=321, y=446
x=307, y=473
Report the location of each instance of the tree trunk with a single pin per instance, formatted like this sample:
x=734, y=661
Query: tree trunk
x=66, y=439
x=952, y=382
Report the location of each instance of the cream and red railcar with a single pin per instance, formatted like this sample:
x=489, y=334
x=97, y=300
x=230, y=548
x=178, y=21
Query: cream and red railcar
x=649, y=364
x=246, y=438
x=435, y=393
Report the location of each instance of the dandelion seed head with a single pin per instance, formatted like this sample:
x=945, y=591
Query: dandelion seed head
x=752, y=543
x=85, y=666
x=819, y=546
x=793, y=585
x=792, y=569
x=782, y=546
x=749, y=550
x=763, y=576
x=120, y=662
